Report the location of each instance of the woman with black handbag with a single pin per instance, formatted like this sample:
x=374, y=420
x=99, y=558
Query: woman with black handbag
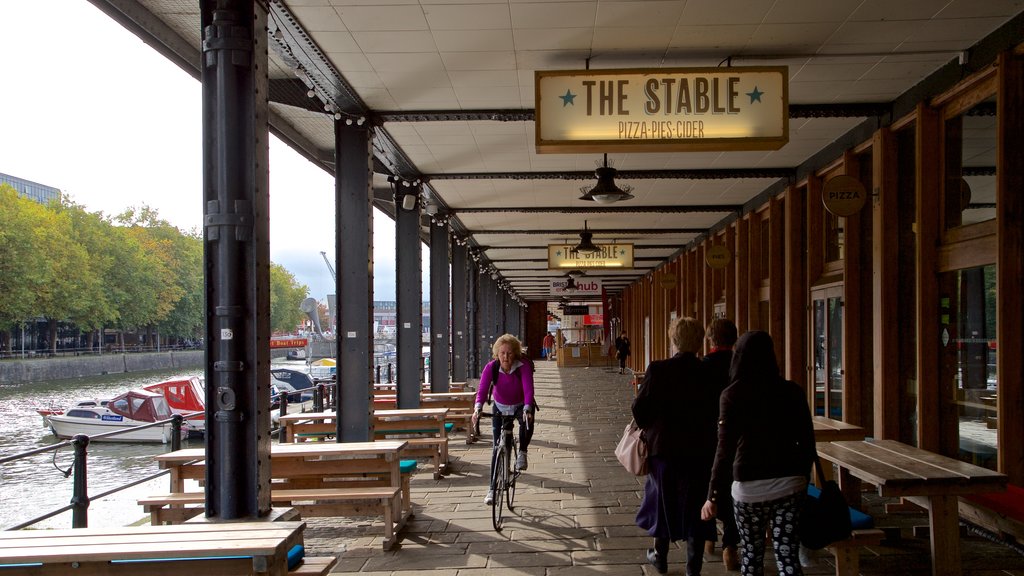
x=675, y=407
x=766, y=435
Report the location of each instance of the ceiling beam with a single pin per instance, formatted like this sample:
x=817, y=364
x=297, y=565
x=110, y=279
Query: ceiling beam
x=614, y=209
x=696, y=174
x=595, y=231
x=831, y=110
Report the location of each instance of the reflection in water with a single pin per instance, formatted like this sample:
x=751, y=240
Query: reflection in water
x=35, y=485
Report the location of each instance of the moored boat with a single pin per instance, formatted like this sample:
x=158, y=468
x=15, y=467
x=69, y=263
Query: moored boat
x=185, y=396
x=133, y=408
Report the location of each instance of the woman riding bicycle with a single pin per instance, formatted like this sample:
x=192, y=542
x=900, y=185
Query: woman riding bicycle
x=510, y=381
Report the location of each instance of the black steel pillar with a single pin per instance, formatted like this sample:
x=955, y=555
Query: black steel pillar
x=440, y=337
x=461, y=307
x=237, y=258
x=473, y=277
x=353, y=249
x=408, y=293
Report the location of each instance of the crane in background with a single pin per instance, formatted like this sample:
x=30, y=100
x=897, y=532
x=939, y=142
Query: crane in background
x=329, y=267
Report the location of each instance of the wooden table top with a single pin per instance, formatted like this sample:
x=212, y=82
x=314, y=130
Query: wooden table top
x=136, y=542
x=898, y=469
x=829, y=430
x=306, y=448
x=411, y=412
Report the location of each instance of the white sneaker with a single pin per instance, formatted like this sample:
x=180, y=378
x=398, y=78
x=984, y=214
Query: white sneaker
x=489, y=499
x=521, y=463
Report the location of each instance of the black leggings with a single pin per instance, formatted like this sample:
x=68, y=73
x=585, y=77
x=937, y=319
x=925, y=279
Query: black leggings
x=525, y=433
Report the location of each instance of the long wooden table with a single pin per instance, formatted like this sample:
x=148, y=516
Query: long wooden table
x=240, y=548
x=925, y=478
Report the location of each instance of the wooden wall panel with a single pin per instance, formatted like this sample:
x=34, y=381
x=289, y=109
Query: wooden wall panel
x=1010, y=264
x=754, y=273
x=928, y=201
x=815, y=230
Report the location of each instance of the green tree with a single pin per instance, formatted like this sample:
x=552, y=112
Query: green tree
x=92, y=308
x=285, y=296
x=180, y=256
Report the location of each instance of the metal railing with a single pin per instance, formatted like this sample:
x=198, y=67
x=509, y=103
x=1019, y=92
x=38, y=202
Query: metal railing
x=80, y=499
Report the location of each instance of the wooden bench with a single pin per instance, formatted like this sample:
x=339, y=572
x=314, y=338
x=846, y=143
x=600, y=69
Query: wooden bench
x=423, y=429
x=362, y=501
x=847, y=552
x=258, y=548
x=1001, y=513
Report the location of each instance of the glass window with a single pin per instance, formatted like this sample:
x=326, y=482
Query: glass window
x=834, y=239
x=827, y=333
x=970, y=163
x=968, y=365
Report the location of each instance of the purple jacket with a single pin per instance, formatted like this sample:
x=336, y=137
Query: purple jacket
x=510, y=389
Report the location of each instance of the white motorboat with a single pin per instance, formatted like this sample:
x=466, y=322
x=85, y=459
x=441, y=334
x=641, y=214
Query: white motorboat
x=133, y=408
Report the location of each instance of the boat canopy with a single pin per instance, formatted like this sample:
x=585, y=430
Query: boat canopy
x=140, y=405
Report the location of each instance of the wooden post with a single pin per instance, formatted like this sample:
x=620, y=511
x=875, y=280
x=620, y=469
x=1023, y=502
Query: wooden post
x=1010, y=265
x=928, y=211
x=884, y=288
x=730, y=274
x=796, y=288
x=854, y=292
x=741, y=261
x=777, y=276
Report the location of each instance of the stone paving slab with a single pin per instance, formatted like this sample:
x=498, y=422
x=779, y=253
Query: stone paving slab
x=575, y=507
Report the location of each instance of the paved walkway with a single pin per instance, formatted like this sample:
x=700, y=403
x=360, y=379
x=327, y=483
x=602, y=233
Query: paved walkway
x=575, y=507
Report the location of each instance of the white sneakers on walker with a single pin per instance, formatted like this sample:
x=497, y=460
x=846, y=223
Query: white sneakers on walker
x=521, y=462
x=489, y=499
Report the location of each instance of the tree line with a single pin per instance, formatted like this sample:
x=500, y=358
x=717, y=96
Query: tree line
x=133, y=271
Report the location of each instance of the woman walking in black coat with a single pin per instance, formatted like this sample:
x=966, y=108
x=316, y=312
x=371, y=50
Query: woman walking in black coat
x=675, y=407
x=766, y=437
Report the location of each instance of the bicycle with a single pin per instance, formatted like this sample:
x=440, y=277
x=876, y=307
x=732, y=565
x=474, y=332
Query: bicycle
x=505, y=472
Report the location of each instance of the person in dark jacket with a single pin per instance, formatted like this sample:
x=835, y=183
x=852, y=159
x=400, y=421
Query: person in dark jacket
x=721, y=337
x=675, y=407
x=766, y=436
x=622, y=350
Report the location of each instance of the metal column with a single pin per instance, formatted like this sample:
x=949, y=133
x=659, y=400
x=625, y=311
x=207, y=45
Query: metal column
x=461, y=310
x=408, y=293
x=473, y=277
x=353, y=249
x=440, y=337
x=237, y=258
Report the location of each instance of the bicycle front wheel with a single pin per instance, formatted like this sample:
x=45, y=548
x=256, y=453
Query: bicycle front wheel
x=500, y=482
x=510, y=491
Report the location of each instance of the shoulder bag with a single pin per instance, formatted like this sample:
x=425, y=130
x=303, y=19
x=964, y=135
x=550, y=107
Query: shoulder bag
x=632, y=450
x=824, y=519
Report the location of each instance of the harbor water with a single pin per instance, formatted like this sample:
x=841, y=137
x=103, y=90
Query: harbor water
x=33, y=486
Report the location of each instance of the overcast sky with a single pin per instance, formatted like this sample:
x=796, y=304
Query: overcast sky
x=86, y=107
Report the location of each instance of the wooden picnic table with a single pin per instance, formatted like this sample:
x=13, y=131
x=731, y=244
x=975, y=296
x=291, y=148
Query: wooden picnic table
x=238, y=548
x=297, y=472
x=927, y=479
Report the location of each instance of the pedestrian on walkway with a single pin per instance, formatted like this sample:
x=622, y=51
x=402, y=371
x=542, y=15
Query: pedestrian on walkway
x=622, y=350
x=508, y=380
x=766, y=437
x=675, y=407
x=721, y=336
x=548, y=346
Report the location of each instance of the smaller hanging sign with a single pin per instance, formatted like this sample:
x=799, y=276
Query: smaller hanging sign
x=718, y=257
x=843, y=195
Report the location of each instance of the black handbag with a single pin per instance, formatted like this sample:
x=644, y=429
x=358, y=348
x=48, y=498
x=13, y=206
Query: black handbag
x=824, y=519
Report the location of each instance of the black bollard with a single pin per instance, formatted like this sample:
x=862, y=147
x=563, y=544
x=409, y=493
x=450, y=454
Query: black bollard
x=377, y=379
x=80, y=494
x=390, y=379
x=176, y=422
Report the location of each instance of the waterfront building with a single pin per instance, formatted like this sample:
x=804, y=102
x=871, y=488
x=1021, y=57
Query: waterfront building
x=32, y=190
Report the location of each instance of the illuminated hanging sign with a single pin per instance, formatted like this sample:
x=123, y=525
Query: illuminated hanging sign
x=584, y=287
x=610, y=256
x=662, y=109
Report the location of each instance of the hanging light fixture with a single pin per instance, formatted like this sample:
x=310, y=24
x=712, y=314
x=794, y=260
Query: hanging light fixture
x=605, y=191
x=586, y=241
